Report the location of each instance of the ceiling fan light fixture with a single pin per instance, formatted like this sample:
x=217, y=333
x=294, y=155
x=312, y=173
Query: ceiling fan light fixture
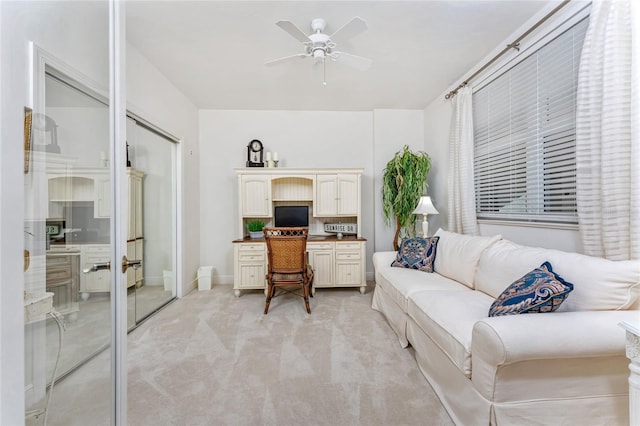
x=320, y=46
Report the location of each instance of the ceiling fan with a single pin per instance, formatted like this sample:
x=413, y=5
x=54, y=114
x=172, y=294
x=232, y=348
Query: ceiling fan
x=321, y=46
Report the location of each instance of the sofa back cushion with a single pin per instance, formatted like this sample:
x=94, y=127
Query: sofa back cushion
x=599, y=284
x=458, y=255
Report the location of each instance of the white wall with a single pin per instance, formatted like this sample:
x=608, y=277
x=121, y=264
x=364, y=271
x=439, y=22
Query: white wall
x=313, y=139
x=154, y=98
x=77, y=33
x=301, y=138
x=79, y=126
x=392, y=130
x=437, y=117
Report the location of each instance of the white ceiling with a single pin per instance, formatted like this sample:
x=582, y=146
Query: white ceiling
x=214, y=51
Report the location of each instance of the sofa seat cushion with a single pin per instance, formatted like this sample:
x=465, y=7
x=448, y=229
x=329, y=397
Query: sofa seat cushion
x=400, y=283
x=448, y=317
x=598, y=284
x=458, y=255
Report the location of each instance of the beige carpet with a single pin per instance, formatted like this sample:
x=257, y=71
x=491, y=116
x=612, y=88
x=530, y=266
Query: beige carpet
x=213, y=359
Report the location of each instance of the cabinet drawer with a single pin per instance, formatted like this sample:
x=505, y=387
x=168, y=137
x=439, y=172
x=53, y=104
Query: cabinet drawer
x=57, y=274
x=54, y=261
x=251, y=247
x=256, y=256
x=96, y=258
x=347, y=245
x=347, y=255
x=98, y=249
x=319, y=246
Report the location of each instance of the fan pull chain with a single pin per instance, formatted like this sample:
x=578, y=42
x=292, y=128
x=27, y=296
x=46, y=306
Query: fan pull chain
x=324, y=71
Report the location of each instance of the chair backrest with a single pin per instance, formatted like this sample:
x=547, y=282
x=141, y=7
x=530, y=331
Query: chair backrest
x=286, y=249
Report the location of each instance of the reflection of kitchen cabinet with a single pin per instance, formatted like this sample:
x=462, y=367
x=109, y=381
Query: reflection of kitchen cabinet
x=134, y=252
x=63, y=269
x=97, y=281
x=256, y=195
x=134, y=178
x=135, y=234
x=77, y=184
x=102, y=198
x=337, y=195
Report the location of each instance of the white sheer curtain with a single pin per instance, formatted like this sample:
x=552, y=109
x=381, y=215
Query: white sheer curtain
x=608, y=132
x=461, y=203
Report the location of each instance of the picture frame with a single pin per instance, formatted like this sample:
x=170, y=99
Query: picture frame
x=28, y=125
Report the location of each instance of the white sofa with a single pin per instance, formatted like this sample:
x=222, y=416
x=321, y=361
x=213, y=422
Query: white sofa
x=562, y=367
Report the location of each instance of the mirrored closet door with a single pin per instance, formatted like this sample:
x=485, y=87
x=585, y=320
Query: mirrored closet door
x=68, y=221
x=71, y=303
x=151, y=176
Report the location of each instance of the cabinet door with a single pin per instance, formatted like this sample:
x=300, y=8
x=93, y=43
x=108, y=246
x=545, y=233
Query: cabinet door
x=252, y=275
x=348, y=195
x=256, y=196
x=348, y=273
x=102, y=198
x=98, y=281
x=326, y=196
x=322, y=262
x=131, y=254
x=134, y=229
x=131, y=216
x=137, y=202
x=139, y=273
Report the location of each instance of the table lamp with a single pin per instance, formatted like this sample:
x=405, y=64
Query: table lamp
x=425, y=207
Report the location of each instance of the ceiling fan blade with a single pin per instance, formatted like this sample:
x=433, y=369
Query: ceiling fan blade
x=292, y=29
x=357, y=62
x=350, y=29
x=286, y=58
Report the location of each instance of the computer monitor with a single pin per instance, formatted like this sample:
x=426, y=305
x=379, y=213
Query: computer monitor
x=290, y=216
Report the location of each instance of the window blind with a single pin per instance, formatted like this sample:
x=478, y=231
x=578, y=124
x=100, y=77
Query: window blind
x=524, y=135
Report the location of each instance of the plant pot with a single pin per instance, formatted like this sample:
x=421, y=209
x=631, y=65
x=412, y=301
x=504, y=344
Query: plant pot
x=256, y=234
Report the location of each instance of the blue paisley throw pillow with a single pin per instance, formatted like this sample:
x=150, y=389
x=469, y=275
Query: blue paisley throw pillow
x=541, y=290
x=417, y=253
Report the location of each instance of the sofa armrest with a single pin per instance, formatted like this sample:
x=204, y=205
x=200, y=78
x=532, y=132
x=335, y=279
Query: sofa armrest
x=534, y=351
x=383, y=258
x=508, y=339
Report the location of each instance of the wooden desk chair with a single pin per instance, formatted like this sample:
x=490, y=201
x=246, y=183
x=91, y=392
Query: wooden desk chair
x=286, y=251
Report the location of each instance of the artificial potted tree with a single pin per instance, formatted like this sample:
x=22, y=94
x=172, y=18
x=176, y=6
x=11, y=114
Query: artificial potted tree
x=403, y=182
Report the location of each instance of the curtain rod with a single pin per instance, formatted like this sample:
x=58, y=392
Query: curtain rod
x=515, y=45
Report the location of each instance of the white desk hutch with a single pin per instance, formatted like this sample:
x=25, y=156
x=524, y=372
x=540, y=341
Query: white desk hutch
x=333, y=196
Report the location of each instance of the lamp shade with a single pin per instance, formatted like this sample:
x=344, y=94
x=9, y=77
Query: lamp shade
x=425, y=206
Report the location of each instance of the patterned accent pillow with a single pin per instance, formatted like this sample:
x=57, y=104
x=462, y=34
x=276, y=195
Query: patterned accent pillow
x=541, y=290
x=417, y=253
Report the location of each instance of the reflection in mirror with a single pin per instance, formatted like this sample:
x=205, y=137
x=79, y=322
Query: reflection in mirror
x=75, y=129
x=152, y=198
x=67, y=193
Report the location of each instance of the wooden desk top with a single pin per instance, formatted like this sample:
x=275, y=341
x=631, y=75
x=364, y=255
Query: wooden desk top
x=312, y=238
